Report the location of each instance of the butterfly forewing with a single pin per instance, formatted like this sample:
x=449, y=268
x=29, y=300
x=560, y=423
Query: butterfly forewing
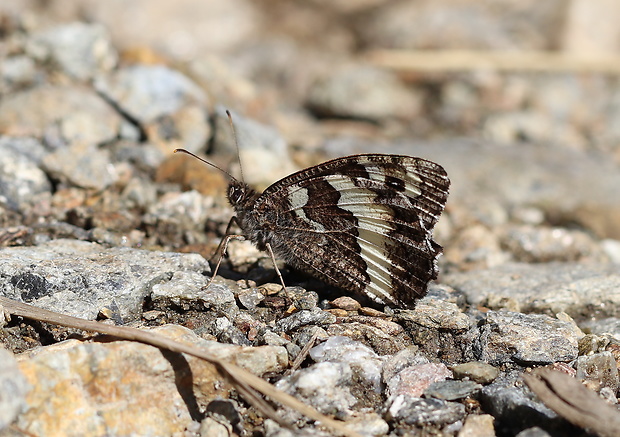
x=362, y=223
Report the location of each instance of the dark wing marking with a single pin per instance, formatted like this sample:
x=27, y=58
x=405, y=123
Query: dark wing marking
x=363, y=223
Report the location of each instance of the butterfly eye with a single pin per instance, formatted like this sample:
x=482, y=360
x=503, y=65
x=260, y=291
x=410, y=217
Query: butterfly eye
x=235, y=193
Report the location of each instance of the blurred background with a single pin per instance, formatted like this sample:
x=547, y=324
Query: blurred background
x=519, y=100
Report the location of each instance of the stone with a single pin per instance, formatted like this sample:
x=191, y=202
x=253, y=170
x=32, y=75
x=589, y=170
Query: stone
x=81, y=50
x=83, y=166
x=535, y=431
x=466, y=25
x=544, y=244
x=526, y=339
x=476, y=371
x=414, y=380
x=61, y=114
x=191, y=287
x=147, y=93
x=123, y=387
x=363, y=361
x=16, y=72
x=323, y=385
x=478, y=425
x=78, y=278
x=346, y=303
x=178, y=217
x=263, y=153
x=346, y=92
x=368, y=424
x=305, y=317
x=184, y=31
x=579, y=289
x=598, y=371
x=22, y=182
x=13, y=389
x=425, y=412
x=515, y=408
x=441, y=329
x=451, y=390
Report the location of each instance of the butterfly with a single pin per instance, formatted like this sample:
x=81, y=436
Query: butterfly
x=362, y=223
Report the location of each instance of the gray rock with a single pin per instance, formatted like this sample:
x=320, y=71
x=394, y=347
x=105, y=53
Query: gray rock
x=305, y=317
x=82, y=166
x=536, y=244
x=534, y=432
x=431, y=25
x=263, y=152
x=515, y=408
x=393, y=364
x=80, y=50
x=141, y=156
x=476, y=371
x=611, y=249
x=526, y=339
x=178, y=217
x=364, y=362
x=451, y=390
x=149, y=92
x=363, y=93
x=16, y=72
x=608, y=325
x=13, y=389
x=80, y=279
x=183, y=31
x=436, y=314
x=226, y=332
x=250, y=298
x=581, y=290
x=302, y=298
x=425, y=412
x=139, y=193
x=440, y=329
x=60, y=114
x=325, y=386
x=598, y=371
x=270, y=337
x=304, y=334
x=191, y=286
x=21, y=179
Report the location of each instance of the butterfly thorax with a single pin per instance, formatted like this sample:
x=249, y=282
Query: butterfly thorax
x=255, y=222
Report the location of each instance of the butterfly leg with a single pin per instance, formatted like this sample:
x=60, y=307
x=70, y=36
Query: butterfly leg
x=221, y=248
x=275, y=266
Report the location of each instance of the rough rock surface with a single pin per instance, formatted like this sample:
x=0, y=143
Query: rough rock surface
x=99, y=220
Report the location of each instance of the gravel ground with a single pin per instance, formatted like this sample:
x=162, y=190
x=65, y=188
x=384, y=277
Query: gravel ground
x=99, y=220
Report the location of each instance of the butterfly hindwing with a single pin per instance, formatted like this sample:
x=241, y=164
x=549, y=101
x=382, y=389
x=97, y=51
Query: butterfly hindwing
x=362, y=223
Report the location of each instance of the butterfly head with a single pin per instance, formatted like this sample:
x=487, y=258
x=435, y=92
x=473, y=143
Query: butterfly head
x=239, y=194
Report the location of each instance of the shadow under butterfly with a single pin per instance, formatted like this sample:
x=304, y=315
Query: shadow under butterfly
x=362, y=223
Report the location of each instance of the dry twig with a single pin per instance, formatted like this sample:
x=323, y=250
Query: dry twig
x=249, y=385
x=408, y=61
x=579, y=405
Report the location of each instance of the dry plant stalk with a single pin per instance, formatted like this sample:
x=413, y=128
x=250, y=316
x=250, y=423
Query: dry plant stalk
x=250, y=386
x=569, y=398
x=409, y=61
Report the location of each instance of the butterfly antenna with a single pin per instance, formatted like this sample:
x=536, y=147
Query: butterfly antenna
x=234, y=134
x=187, y=152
